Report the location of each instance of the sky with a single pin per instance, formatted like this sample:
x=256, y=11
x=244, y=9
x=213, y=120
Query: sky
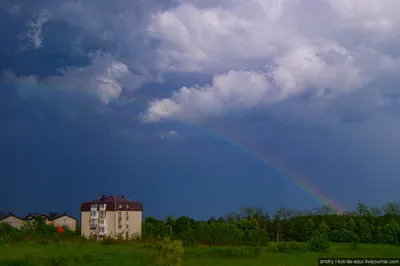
x=198, y=107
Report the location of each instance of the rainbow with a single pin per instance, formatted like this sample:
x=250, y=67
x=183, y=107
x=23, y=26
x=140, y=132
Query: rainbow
x=283, y=171
x=226, y=137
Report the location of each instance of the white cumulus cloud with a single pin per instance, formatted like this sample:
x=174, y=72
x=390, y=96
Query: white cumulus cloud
x=235, y=89
x=328, y=48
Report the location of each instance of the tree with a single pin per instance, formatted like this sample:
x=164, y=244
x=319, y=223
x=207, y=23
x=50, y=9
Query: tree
x=375, y=211
x=284, y=213
x=277, y=226
x=233, y=217
x=390, y=232
x=391, y=208
x=248, y=212
x=170, y=220
x=364, y=231
x=323, y=228
x=326, y=210
x=211, y=220
x=309, y=228
x=362, y=209
x=221, y=220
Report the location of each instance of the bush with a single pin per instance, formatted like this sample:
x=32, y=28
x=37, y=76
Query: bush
x=319, y=242
x=169, y=252
x=5, y=233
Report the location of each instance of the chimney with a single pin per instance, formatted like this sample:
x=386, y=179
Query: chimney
x=122, y=196
x=102, y=197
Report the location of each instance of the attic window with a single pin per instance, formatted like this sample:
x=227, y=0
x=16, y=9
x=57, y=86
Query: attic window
x=120, y=206
x=127, y=206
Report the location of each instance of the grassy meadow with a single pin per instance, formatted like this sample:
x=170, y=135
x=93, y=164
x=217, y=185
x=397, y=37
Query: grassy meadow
x=133, y=253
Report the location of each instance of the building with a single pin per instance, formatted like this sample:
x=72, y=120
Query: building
x=111, y=216
x=62, y=219
x=11, y=219
x=55, y=219
x=33, y=215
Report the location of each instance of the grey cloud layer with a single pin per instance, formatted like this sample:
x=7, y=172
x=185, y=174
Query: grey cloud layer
x=110, y=34
x=325, y=48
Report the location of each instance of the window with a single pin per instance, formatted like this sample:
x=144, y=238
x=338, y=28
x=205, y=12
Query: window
x=127, y=226
x=65, y=219
x=102, y=229
x=120, y=206
x=127, y=216
x=127, y=206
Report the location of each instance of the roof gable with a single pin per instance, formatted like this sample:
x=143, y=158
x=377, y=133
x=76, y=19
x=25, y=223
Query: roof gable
x=9, y=214
x=63, y=216
x=49, y=216
x=114, y=203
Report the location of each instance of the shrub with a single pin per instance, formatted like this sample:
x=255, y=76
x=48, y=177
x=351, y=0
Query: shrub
x=319, y=242
x=169, y=252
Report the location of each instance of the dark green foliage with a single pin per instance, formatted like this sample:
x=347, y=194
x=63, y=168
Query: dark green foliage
x=309, y=228
x=319, y=242
x=253, y=228
x=5, y=233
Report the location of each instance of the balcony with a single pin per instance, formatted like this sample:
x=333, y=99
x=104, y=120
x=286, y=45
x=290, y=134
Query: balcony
x=94, y=215
x=93, y=207
x=92, y=225
x=102, y=223
x=102, y=207
x=102, y=233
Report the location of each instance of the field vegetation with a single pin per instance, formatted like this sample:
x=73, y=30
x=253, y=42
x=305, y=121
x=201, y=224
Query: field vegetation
x=249, y=237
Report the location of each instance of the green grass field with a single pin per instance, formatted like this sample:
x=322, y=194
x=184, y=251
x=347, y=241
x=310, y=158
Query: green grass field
x=139, y=254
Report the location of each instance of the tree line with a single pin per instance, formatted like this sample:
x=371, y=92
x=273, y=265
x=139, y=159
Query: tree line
x=253, y=226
